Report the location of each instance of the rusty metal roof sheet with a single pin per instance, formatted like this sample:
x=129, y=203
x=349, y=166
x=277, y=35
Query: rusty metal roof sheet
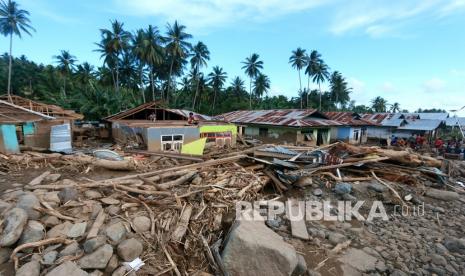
x=349, y=118
x=11, y=113
x=279, y=117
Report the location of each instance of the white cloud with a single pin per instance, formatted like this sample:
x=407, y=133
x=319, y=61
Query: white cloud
x=379, y=18
x=433, y=85
x=201, y=14
x=387, y=87
x=358, y=86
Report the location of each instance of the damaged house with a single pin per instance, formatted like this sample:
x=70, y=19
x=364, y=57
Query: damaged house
x=157, y=128
x=403, y=125
x=15, y=125
x=294, y=126
x=55, y=134
x=353, y=129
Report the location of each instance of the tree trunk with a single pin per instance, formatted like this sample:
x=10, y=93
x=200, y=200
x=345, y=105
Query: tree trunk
x=196, y=88
x=250, y=95
x=300, y=84
x=214, y=102
x=152, y=84
x=10, y=62
x=64, y=86
x=169, y=77
x=141, y=71
x=319, y=88
x=308, y=88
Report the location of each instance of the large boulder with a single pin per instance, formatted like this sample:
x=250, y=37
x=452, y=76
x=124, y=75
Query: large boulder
x=34, y=231
x=31, y=268
x=129, y=249
x=254, y=249
x=15, y=220
x=442, y=195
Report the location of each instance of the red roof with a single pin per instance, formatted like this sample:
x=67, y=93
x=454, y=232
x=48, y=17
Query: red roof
x=279, y=117
x=349, y=118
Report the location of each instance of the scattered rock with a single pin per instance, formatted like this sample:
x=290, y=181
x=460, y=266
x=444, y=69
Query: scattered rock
x=98, y=259
x=96, y=273
x=141, y=224
x=357, y=259
x=318, y=192
x=455, y=245
x=122, y=271
x=39, y=179
x=4, y=206
x=438, y=260
x=112, y=264
x=70, y=249
x=67, y=194
x=50, y=257
x=77, y=230
x=34, y=231
x=129, y=249
x=116, y=232
x=50, y=221
x=15, y=220
x=342, y=188
x=61, y=230
x=28, y=202
x=51, y=197
x=110, y=201
x=92, y=244
x=67, y=268
x=442, y=195
x=31, y=268
x=254, y=249
x=336, y=238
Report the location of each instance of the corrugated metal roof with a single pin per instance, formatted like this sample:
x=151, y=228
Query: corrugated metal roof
x=12, y=113
x=425, y=124
x=349, y=118
x=279, y=117
x=455, y=121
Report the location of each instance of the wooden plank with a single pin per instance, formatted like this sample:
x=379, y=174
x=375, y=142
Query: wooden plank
x=298, y=227
x=181, y=227
x=166, y=154
x=97, y=224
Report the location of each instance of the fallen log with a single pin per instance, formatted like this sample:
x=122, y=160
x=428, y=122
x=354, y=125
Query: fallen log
x=181, y=227
x=181, y=180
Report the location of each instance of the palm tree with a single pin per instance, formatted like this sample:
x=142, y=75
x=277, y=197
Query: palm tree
x=339, y=88
x=65, y=62
x=13, y=20
x=113, y=42
x=138, y=45
x=379, y=104
x=177, y=46
x=312, y=63
x=85, y=73
x=153, y=52
x=395, y=107
x=298, y=60
x=217, y=78
x=199, y=57
x=252, y=67
x=321, y=74
x=261, y=85
x=237, y=86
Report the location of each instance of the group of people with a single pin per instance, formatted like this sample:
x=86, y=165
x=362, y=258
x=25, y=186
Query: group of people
x=414, y=141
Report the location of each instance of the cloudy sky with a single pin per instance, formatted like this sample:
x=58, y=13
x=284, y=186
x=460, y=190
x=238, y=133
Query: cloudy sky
x=411, y=52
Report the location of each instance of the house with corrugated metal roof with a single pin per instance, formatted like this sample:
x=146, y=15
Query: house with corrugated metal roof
x=158, y=128
x=404, y=125
x=294, y=126
x=353, y=129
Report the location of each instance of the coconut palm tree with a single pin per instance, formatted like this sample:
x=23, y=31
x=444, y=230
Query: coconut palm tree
x=138, y=43
x=84, y=74
x=217, y=79
x=379, y=104
x=339, y=89
x=200, y=55
x=237, y=87
x=261, y=85
x=252, y=67
x=153, y=52
x=114, y=42
x=320, y=74
x=395, y=107
x=13, y=21
x=65, y=62
x=177, y=46
x=298, y=60
x=312, y=63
